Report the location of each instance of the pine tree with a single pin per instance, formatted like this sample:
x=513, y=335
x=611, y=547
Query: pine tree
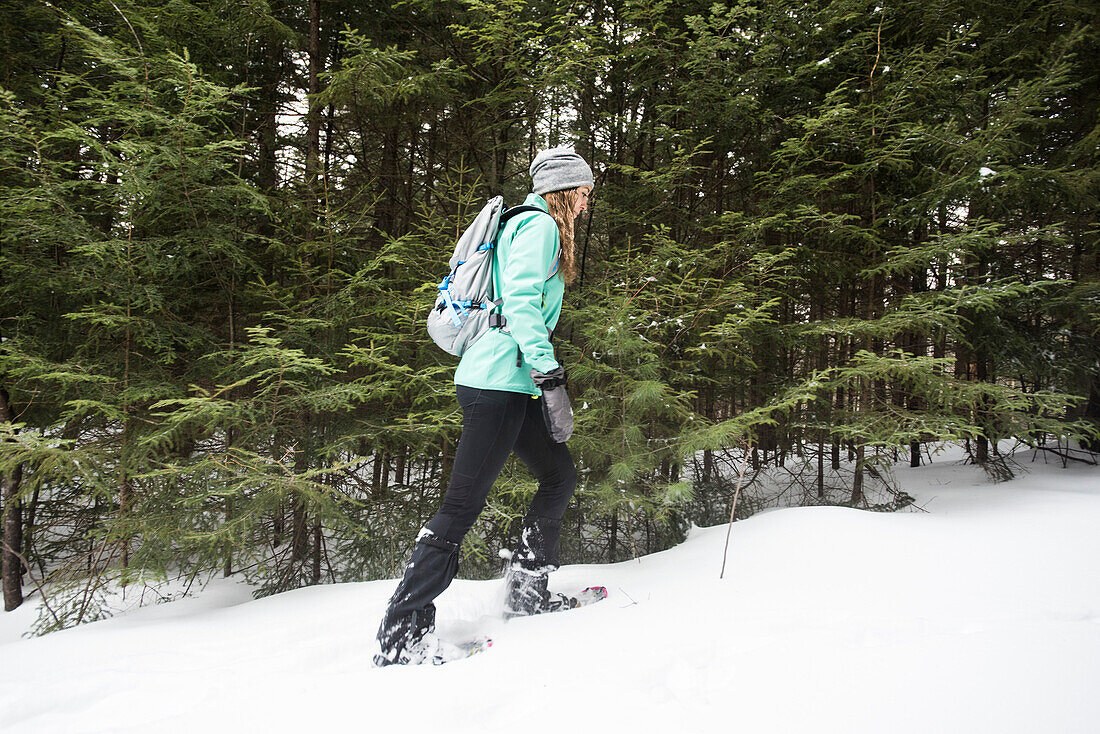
x=820, y=229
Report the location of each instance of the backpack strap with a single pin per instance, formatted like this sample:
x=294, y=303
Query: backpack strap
x=521, y=209
x=496, y=318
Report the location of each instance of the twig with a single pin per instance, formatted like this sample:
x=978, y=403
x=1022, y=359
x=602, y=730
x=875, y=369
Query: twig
x=190, y=581
x=144, y=61
x=87, y=593
x=1068, y=456
x=328, y=561
x=733, y=510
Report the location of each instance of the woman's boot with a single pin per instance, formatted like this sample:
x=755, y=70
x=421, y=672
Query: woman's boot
x=535, y=556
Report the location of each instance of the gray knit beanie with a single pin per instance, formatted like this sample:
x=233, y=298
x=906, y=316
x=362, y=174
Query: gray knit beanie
x=557, y=169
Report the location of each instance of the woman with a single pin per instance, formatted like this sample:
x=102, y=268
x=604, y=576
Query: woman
x=498, y=383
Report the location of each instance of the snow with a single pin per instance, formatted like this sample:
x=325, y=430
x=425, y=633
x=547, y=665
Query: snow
x=980, y=615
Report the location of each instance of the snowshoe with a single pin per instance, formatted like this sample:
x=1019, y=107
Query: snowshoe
x=527, y=595
x=431, y=650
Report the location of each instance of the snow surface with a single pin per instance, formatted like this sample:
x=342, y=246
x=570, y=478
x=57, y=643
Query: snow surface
x=981, y=615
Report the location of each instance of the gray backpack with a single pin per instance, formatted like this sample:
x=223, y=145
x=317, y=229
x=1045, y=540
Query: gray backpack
x=466, y=306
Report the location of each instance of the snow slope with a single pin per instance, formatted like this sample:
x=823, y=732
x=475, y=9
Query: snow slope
x=981, y=615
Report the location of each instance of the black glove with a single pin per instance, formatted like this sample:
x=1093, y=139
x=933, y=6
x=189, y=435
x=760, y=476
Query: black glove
x=553, y=378
x=555, y=403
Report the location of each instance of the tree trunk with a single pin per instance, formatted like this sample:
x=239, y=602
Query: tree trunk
x=125, y=500
x=268, y=127
x=857, y=481
x=399, y=479
x=1092, y=413
x=377, y=487
x=313, y=116
x=300, y=534
x=10, y=567
x=317, y=548
x=982, y=448
x=821, y=470
x=614, y=535
x=227, y=563
x=28, y=527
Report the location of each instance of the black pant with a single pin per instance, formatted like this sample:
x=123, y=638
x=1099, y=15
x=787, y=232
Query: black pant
x=494, y=424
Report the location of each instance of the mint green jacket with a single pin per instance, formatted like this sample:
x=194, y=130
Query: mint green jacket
x=526, y=277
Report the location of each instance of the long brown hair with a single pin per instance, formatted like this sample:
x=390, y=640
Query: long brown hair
x=561, y=205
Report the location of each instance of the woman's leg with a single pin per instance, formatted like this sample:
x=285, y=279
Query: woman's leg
x=553, y=467
x=491, y=421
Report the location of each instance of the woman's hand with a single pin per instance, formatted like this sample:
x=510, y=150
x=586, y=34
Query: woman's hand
x=556, y=409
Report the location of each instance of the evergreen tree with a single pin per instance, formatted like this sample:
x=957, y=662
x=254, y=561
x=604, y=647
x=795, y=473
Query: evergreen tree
x=820, y=230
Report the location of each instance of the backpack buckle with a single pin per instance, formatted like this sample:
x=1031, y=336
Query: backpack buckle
x=497, y=320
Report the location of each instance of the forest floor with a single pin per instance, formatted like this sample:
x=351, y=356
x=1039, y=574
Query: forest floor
x=981, y=614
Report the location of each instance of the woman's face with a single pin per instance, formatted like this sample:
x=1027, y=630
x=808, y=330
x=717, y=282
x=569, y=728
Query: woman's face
x=581, y=203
